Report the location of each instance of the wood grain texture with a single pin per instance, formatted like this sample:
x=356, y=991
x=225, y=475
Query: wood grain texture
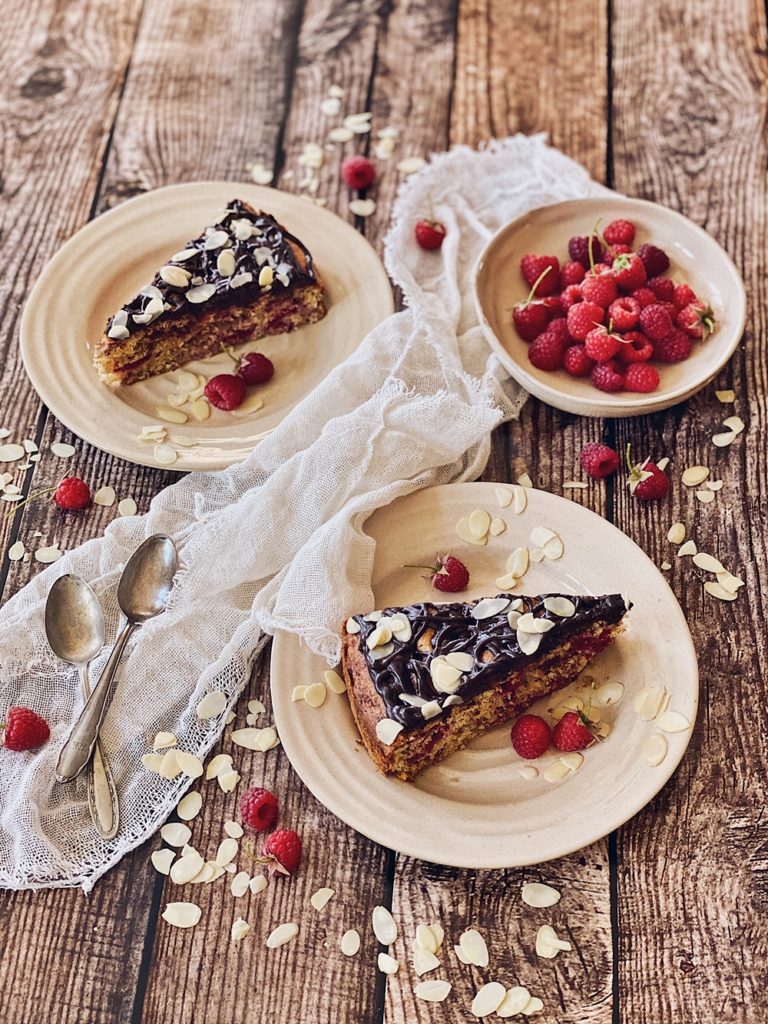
x=688, y=131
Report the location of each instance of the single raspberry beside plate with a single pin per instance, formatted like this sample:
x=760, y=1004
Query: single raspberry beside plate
x=24, y=729
x=72, y=494
x=258, y=808
x=571, y=733
x=357, y=172
x=531, y=737
x=599, y=460
x=449, y=575
x=255, y=368
x=283, y=851
x=225, y=391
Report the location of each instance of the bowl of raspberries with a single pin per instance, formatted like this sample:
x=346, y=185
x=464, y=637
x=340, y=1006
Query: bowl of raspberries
x=610, y=306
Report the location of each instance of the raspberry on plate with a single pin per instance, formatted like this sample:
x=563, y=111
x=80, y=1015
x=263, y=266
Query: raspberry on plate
x=546, y=352
x=542, y=269
x=72, y=494
x=697, y=320
x=684, y=295
x=599, y=289
x=571, y=273
x=532, y=315
x=225, y=391
x=655, y=322
x=662, y=287
x=449, y=575
x=598, y=460
x=620, y=232
x=641, y=377
x=655, y=260
x=674, y=348
x=571, y=733
x=601, y=344
x=357, y=172
x=24, y=729
x=580, y=247
x=613, y=251
x=255, y=368
x=283, y=851
x=429, y=234
x=531, y=736
x=644, y=296
x=570, y=296
x=607, y=377
x=635, y=348
x=629, y=272
x=584, y=317
x=577, y=362
x=624, y=313
x=559, y=326
x=258, y=808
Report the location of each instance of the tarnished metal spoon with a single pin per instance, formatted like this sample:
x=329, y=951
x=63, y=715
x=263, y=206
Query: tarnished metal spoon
x=142, y=593
x=74, y=625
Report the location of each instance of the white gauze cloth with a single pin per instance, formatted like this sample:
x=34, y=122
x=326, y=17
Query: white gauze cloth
x=276, y=542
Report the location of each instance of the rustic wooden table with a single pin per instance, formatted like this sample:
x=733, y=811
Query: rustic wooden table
x=104, y=99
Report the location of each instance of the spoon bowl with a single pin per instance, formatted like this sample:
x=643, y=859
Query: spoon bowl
x=74, y=621
x=147, y=579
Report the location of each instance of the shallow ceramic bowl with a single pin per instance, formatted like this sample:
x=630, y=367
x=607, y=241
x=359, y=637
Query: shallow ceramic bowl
x=695, y=258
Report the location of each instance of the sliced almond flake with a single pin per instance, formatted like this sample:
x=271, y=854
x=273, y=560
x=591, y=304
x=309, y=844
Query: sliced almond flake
x=334, y=682
x=649, y=702
x=654, y=749
x=479, y=523
x=487, y=607
x=488, y=999
x=186, y=867
x=676, y=533
x=461, y=955
x=536, y=894
x=573, y=761
x=315, y=695
x=665, y=566
x=673, y=721
x=714, y=485
x=152, y=762
x=537, y=555
x=258, y=884
x=726, y=396
x=297, y=693
x=462, y=529
x=411, y=164
x=424, y=961
x=189, y=764
x=176, y=834
x=724, y=439
x=182, y=915
x=387, y=964
x=350, y=942
x=524, y=480
x=282, y=934
x=176, y=401
x=439, y=934
x=507, y=582
x=11, y=452
x=608, y=695
x=474, y=947
x=541, y=536
x=340, y=134
x=548, y=945
x=384, y=927
x=534, y=1005
x=729, y=582
x=387, y=730
x=183, y=442
x=260, y=174
x=10, y=496
x=255, y=739
x=214, y=871
x=252, y=404
x=497, y=527
x=16, y=551
x=189, y=806
x=320, y=899
x=104, y=496
x=554, y=549
x=425, y=938
x=211, y=705
x=705, y=497
x=49, y=554
x=185, y=379
x=240, y=929
x=560, y=606
x=218, y=764
x=29, y=445
x=62, y=450
x=127, y=507
x=240, y=884
x=695, y=475
x=663, y=463
x=518, y=562
x=689, y=548
x=575, y=485
x=734, y=423
x=228, y=781
x=432, y=991
x=330, y=106
x=557, y=771
x=226, y=852
x=231, y=716
x=528, y=642
x=504, y=496
x=362, y=207
x=352, y=626
x=233, y=829
x=514, y=1002
x=162, y=860
x=4, y=432
x=708, y=562
x=528, y=772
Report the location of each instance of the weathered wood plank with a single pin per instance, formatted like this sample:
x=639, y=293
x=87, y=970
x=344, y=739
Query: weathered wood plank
x=692, y=875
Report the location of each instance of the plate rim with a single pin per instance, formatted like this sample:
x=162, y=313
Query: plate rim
x=575, y=404
x=406, y=848
x=94, y=228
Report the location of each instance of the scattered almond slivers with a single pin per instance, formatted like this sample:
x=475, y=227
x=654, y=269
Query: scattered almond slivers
x=676, y=534
x=548, y=945
x=211, y=705
x=387, y=964
x=189, y=806
x=695, y=475
x=321, y=898
x=282, y=934
x=182, y=915
x=240, y=929
x=488, y=999
x=256, y=739
x=176, y=834
x=474, y=948
x=350, y=942
x=162, y=860
x=726, y=396
x=654, y=749
x=649, y=702
x=432, y=991
x=689, y=548
x=536, y=894
x=384, y=927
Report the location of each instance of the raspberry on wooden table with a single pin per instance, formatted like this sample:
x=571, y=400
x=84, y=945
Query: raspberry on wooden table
x=624, y=313
x=24, y=729
x=571, y=733
x=635, y=348
x=225, y=391
x=662, y=287
x=258, y=808
x=546, y=352
x=72, y=494
x=531, y=736
x=646, y=481
x=601, y=345
x=674, y=348
x=581, y=246
x=607, y=377
x=655, y=322
x=654, y=260
x=583, y=318
x=599, y=460
x=357, y=172
x=641, y=377
x=599, y=289
x=544, y=269
x=255, y=368
x=283, y=851
x=577, y=362
x=620, y=232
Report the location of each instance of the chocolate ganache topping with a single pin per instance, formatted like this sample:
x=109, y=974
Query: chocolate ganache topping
x=478, y=643
x=244, y=255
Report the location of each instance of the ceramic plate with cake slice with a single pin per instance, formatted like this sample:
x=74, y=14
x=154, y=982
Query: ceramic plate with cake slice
x=481, y=657
x=135, y=314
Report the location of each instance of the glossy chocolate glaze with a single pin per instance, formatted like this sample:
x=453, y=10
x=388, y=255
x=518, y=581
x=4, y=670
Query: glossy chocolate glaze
x=492, y=642
x=267, y=246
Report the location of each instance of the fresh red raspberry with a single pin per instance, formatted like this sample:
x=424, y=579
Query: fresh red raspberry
x=255, y=368
x=635, y=348
x=571, y=733
x=357, y=172
x=624, y=313
x=607, y=377
x=225, y=391
x=570, y=296
x=641, y=377
x=547, y=268
x=613, y=251
x=258, y=808
x=24, y=729
x=601, y=345
x=571, y=273
x=598, y=460
x=559, y=326
x=283, y=851
x=655, y=322
x=644, y=296
x=628, y=272
x=647, y=482
x=674, y=348
x=582, y=318
x=684, y=295
x=599, y=289
x=655, y=260
x=620, y=232
x=577, y=362
x=579, y=250
x=531, y=737
x=546, y=352
x=429, y=234
x=697, y=320
x=450, y=575
x=530, y=319
x=662, y=287
x=72, y=494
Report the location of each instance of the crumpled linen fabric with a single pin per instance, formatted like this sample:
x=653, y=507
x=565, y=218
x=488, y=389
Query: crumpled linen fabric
x=277, y=542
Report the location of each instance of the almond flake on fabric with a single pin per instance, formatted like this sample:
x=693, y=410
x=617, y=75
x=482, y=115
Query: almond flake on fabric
x=334, y=682
x=211, y=705
x=189, y=764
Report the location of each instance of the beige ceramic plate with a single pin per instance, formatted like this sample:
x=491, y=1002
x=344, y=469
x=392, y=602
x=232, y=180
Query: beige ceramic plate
x=107, y=262
x=695, y=258
x=475, y=810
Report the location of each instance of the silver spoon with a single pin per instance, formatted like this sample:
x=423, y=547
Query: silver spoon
x=142, y=593
x=74, y=625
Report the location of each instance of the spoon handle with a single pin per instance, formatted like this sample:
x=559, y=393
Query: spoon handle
x=76, y=752
x=102, y=792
